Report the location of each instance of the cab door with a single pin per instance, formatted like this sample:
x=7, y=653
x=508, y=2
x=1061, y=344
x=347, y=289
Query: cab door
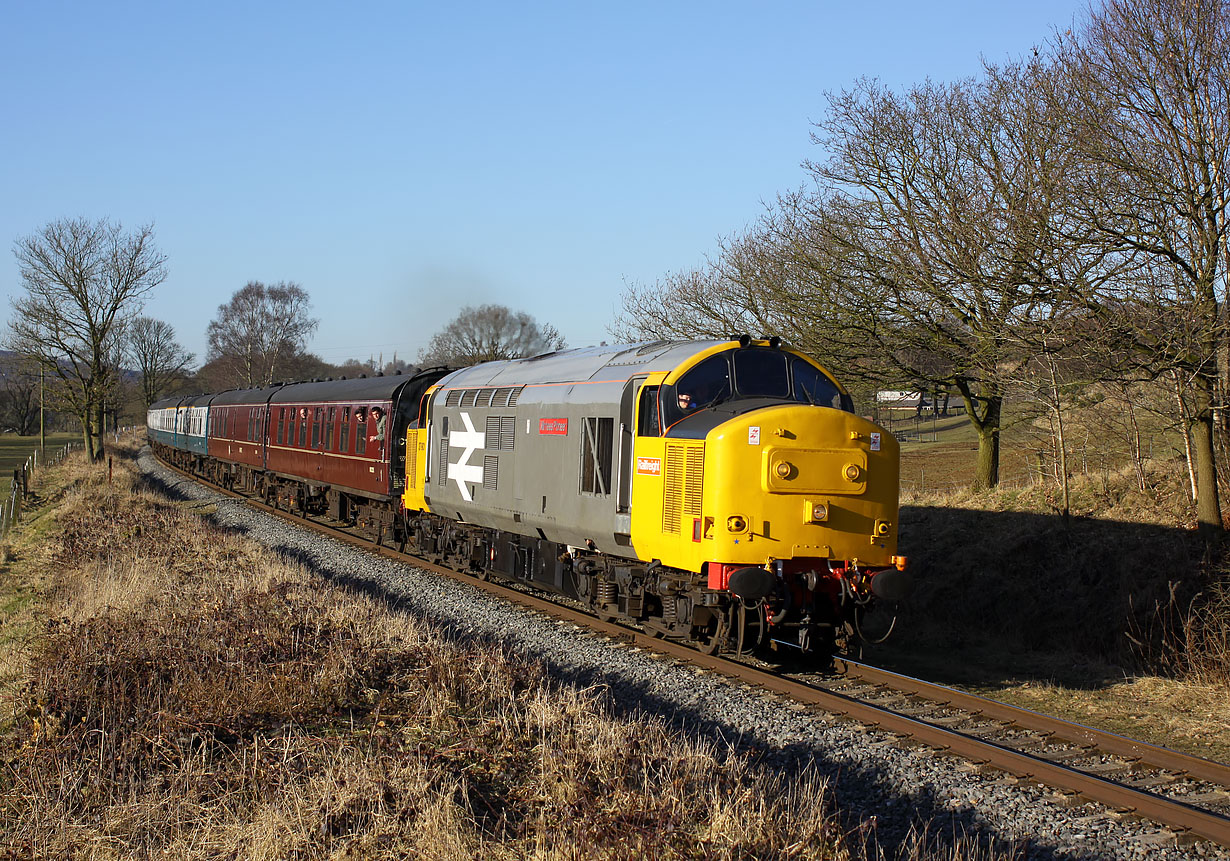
x=627, y=417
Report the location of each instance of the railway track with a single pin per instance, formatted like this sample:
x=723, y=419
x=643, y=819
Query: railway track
x=1186, y=794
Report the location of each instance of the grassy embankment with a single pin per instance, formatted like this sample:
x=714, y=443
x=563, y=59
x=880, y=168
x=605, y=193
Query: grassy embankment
x=175, y=691
x=1109, y=616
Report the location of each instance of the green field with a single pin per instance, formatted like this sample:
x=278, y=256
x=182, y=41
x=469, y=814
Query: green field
x=15, y=449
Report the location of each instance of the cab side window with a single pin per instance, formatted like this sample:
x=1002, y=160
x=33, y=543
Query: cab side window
x=647, y=415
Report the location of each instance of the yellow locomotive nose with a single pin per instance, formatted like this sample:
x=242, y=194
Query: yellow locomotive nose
x=827, y=482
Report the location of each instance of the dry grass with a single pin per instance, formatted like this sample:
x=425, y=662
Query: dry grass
x=192, y=696
x=1169, y=712
x=1110, y=617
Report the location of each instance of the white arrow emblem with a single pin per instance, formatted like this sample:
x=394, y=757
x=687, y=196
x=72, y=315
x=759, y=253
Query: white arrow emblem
x=461, y=471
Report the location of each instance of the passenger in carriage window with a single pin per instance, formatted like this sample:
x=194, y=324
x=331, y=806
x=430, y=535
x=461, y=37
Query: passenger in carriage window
x=360, y=432
x=377, y=425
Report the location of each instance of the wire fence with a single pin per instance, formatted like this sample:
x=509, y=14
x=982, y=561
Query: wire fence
x=11, y=508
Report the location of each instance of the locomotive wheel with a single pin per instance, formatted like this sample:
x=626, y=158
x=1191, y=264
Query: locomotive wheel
x=717, y=634
x=751, y=632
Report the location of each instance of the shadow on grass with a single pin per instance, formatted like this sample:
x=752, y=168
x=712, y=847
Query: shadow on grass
x=1012, y=596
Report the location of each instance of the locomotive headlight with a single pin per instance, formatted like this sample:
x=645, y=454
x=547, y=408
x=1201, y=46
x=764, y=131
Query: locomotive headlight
x=852, y=472
x=882, y=528
x=784, y=469
x=819, y=512
x=736, y=523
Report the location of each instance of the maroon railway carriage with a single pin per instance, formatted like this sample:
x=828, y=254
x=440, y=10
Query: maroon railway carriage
x=335, y=446
x=236, y=436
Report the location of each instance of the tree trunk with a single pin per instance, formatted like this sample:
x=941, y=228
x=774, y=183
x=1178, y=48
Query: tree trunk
x=1186, y=425
x=1138, y=455
x=1062, y=440
x=100, y=429
x=1208, y=502
x=986, y=423
x=87, y=436
x=986, y=476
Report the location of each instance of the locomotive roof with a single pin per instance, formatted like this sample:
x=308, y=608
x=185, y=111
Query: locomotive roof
x=590, y=364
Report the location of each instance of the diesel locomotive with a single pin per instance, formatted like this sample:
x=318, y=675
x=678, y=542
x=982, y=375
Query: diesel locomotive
x=719, y=492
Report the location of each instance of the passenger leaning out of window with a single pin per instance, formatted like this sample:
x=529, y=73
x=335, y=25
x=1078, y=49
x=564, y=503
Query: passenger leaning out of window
x=376, y=426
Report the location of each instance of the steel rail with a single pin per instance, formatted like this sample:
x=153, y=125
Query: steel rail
x=1118, y=797
x=1105, y=742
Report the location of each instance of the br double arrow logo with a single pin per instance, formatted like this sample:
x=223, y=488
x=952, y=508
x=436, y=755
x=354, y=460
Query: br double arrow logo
x=462, y=471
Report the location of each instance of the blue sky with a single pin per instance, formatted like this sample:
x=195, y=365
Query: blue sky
x=402, y=160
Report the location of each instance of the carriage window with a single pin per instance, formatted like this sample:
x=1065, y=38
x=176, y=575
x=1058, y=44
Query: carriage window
x=345, y=444
x=316, y=427
x=329, y=428
x=596, y=438
x=647, y=419
x=303, y=426
x=360, y=431
x=813, y=387
x=761, y=374
x=281, y=437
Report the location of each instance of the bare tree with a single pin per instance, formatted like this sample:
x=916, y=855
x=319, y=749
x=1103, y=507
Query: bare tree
x=83, y=280
x=258, y=331
x=940, y=220
x=1154, y=80
x=19, y=394
x=949, y=211
x=487, y=333
x=158, y=357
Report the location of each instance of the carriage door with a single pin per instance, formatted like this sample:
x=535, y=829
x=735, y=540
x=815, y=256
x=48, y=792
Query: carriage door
x=627, y=411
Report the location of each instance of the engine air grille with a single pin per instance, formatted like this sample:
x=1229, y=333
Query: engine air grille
x=672, y=489
x=695, y=479
x=491, y=472
x=412, y=464
x=682, y=485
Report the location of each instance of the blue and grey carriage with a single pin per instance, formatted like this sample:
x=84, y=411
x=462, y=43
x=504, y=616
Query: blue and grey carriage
x=180, y=423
